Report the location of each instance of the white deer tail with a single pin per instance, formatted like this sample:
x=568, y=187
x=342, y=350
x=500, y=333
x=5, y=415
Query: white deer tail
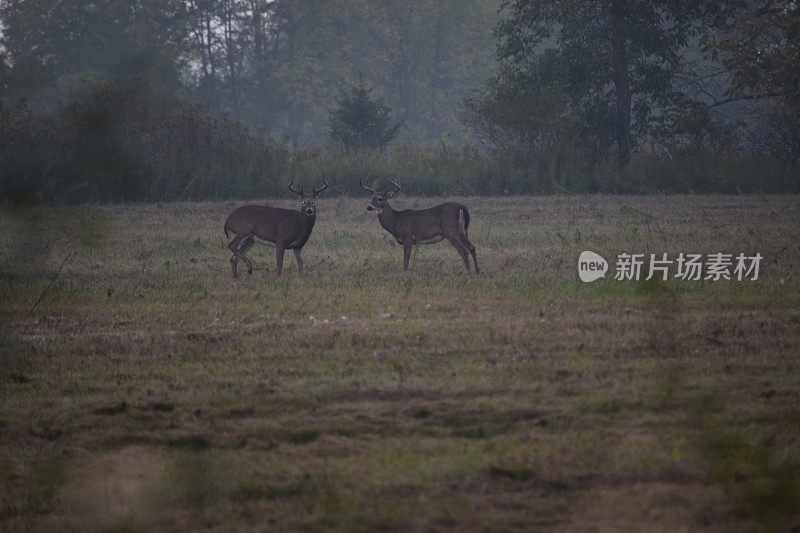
x=463, y=220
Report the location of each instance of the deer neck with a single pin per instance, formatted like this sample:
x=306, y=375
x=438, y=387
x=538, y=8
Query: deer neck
x=306, y=225
x=308, y=222
x=388, y=218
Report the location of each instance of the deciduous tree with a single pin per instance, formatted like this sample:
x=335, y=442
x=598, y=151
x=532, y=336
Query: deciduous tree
x=615, y=62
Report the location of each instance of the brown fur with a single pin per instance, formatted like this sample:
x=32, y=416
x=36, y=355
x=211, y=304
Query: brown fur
x=425, y=226
x=287, y=229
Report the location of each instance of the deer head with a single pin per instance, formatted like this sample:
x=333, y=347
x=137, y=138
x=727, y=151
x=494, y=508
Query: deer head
x=308, y=201
x=380, y=197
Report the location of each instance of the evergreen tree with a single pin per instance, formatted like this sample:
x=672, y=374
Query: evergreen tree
x=361, y=121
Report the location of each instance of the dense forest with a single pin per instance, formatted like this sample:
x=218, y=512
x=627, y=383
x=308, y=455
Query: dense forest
x=109, y=100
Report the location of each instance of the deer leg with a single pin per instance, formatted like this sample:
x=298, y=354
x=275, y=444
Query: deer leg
x=245, y=247
x=462, y=251
x=233, y=246
x=279, y=251
x=298, y=258
x=406, y=253
x=468, y=246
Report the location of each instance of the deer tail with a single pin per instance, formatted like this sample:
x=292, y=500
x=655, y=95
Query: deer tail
x=226, y=232
x=463, y=219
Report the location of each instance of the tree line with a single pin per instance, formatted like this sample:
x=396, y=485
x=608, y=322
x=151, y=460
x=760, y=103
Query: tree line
x=107, y=100
x=276, y=65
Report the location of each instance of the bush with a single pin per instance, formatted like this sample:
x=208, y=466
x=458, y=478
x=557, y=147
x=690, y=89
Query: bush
x=113, y=145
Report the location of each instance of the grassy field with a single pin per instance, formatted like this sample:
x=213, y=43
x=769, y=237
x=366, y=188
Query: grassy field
x=148, y=389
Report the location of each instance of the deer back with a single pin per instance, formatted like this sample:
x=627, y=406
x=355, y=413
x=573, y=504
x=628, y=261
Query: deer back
x=286, y=227
x=424, y=224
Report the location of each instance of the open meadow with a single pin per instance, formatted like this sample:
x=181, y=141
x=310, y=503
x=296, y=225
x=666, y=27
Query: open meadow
x=142, y=387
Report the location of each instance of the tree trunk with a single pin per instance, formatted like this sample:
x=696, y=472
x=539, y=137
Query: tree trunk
x=257, y=24
x=209, y=42
x=621, y=80
x=231, y=56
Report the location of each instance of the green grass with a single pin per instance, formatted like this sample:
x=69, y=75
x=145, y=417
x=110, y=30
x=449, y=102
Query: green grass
x=148, y=389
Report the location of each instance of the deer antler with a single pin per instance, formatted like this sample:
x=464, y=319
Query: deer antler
x=317, y=191
x=300, y=193
x=396, y=186
x=365, y=187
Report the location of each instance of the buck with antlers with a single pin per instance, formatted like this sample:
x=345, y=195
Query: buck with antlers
x=286, y=229
x=423, y=226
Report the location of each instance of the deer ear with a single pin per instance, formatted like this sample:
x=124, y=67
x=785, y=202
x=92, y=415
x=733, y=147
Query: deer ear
x=389, y=194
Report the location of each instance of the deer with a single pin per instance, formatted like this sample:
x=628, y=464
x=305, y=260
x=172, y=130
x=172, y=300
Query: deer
x=285, y=229
x=410, y=227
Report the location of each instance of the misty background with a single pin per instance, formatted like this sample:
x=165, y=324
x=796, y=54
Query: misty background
x=117, y=100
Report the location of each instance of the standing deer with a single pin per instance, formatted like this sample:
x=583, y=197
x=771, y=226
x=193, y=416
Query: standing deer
x=423, y=226
x=286, y=229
